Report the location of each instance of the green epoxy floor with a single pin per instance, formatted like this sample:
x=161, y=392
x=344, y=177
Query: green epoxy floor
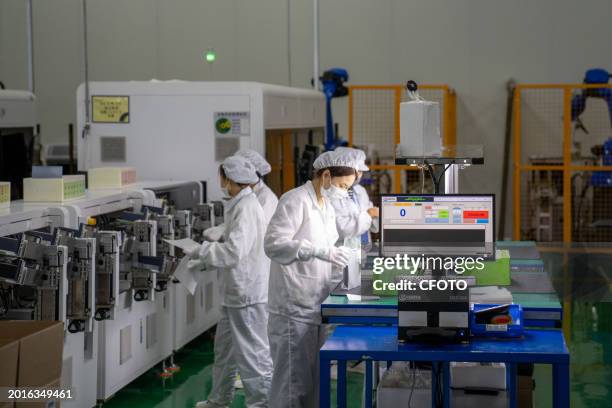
x=193, y=383
x=590, y=346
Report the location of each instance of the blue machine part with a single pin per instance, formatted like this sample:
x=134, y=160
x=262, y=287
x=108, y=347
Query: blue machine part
x=333, y=87
x=513, y=329
x=604, y=178
x=596, y=76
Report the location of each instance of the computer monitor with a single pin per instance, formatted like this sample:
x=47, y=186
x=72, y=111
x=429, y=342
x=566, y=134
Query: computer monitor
x=437, y=225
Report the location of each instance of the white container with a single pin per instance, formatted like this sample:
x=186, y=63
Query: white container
x=461, y=399
x=490, y=376
x=420, y=129
x=110, y=177
x=54, y=189
x=396, y=385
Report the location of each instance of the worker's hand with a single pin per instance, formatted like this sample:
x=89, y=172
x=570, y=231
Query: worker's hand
x=338, y=256
x=373, y=212
x=214, y=234
x=196, y=265
x=341, y=256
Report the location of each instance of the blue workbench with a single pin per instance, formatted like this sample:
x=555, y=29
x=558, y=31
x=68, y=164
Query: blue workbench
x=539, y=310
x=369, y=343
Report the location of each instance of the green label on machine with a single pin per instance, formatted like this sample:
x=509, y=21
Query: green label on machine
x=223, y=125
x=74, y=189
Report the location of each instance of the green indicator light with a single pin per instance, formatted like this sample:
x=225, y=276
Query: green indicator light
x=210, y=56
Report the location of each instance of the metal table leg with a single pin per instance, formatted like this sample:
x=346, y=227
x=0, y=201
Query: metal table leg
x=324, y=382
x=368, y=385
x=434, y=382
x=341, y=384
x=561, y=385
x=446, y=383
x=511, y=384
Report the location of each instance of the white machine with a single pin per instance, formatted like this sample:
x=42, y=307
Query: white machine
x=53, y=278
x=138, y=333
x=117, y=337
x=17, y=109
x=177, y=130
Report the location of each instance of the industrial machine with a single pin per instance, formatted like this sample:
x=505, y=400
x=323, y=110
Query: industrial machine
x=177, y=130
x=599, y=224
x=444, y=227
x=591, y=146
x=17, y=137
x=145, y=314
x=49, y=274
x=101, y=265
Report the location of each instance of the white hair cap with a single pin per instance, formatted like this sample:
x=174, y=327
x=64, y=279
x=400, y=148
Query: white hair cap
x=239, y=170
x=333, y=159
x=357, y=155
x=261, y=165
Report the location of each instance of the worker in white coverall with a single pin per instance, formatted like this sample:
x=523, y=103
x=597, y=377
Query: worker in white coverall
x=241, y=341
x=306, y=266
x=266, y=197
x=356, y=216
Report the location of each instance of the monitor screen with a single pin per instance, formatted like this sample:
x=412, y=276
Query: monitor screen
x=437, y=225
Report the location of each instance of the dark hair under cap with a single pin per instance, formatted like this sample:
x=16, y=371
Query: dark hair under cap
x=222, y=173
x=338, y=171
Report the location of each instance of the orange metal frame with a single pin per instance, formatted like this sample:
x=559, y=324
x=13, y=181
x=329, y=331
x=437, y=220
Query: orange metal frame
x=567, y=167
x=449, y=121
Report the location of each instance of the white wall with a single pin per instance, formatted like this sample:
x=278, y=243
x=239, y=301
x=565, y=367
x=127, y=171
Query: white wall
x=472, y=45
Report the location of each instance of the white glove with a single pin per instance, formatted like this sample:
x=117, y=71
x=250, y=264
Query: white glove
x=214, y=233
x=338, y=256
x=196, y=265
x=375, y=225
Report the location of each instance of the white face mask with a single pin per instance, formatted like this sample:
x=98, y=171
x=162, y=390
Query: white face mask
x=225, y=191
x=334, y=193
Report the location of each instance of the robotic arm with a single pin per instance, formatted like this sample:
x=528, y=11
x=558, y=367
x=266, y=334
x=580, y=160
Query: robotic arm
x=333, y=87
x=596, y=76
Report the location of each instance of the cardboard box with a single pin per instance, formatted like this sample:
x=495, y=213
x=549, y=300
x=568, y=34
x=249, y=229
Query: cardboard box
x=110, y=177
x=40, y=345
x=54, y=189
x=9, y=353
x=52, y=403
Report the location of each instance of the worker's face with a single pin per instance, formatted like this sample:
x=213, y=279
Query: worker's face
x=343, y=182
x=223, y=182
x=226, y=186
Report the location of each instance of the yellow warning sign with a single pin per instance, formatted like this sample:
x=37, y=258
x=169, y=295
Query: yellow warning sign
x=111, y=109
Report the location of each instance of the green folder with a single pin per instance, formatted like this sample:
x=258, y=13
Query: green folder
x=494, y=273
